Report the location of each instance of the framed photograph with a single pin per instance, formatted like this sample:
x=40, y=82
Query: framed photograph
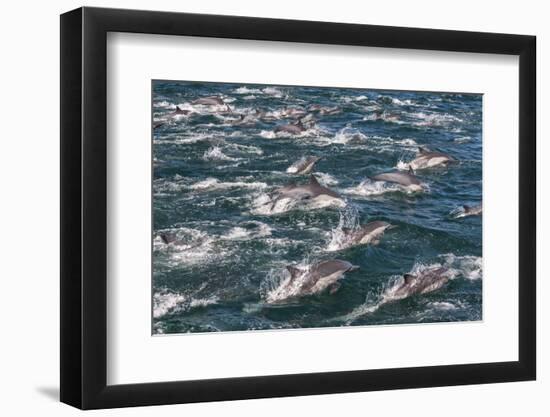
x=258, y=208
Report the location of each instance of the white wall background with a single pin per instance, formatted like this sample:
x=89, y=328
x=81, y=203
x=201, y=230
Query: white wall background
x=29, y=213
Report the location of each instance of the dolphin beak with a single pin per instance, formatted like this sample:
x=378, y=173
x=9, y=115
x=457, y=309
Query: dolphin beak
x=354, y=268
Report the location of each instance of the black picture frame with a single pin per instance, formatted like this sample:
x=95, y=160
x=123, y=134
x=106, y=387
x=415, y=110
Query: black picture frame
x=84, y=207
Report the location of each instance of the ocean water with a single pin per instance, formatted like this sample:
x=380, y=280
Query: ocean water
x=216, y=168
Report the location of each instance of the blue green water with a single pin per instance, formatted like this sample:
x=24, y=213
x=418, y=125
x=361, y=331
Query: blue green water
x=214, y=175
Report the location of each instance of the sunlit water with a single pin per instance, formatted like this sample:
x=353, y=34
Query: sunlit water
x=212, y=188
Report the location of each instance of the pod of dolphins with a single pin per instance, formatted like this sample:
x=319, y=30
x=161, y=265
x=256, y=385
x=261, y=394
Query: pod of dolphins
x=326, y=275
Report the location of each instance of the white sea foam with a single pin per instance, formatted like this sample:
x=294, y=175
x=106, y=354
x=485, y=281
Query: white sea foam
x=434, y=119
x=270, y=134
x=442, y=305
x=279, y=285
x=352, y=99
x=387, y=294
x=190, y=246
x=348, y=134
x=349, y=219
x=272, y=91
x=384, y=116
x=469, y=267
x=266, y=205
x=163, y=104
x=246, y=148
x=170, y=302
x=210, y=184
x=402, y=165
x=215, y=153
x=242, y=233
x=163, y=303
x=326, y=179
x=369, y=188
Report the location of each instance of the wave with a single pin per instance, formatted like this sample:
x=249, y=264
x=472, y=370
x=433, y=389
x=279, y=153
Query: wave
x=279, y=286
x=189, y=246
x=352, y=99
x=163, y=104
x=213, y=184
x=270, y=134
x=165, y=302
x=246, y=148
x=216, y=154
x=434, y=119
x=384, y=116
x=271, y=91
x=370, y=188
x=349, y=134
x=326, y=179
x=467, y=267
x=253, y=230
x=463, y=139
x=266, y=205
x=349, y=219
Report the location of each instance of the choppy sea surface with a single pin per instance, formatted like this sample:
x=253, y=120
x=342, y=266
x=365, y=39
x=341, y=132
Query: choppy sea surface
x=217, y=166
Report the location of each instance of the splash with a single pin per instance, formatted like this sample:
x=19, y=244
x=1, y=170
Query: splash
x=211, y=184
x=370, y=188
x=215, y=153
x=166, y=302
x=349, y=219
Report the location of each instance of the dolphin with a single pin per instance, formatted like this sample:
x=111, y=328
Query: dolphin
x=212, y=101
x=311, y=191
x=371, y=233
x=406, y=179
x=315, y=279
x=427, y=281
x=265, y=116
x=178, y=112
x=209, y=101
x=303, y=166
x=473, y=211
x=468, y=211
x=244, y=120
x=169, y=238
x=292, y=128
x=329, y=111
x=324, y=111
x=293, y=113
x=429, y=159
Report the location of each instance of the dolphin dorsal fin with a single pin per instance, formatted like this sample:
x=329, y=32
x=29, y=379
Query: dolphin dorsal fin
x=466, y=208
x=346, y=230
x=313, y=180
x=294, y=272
x=411, y=170
x=408, y=278
x=423, y=150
